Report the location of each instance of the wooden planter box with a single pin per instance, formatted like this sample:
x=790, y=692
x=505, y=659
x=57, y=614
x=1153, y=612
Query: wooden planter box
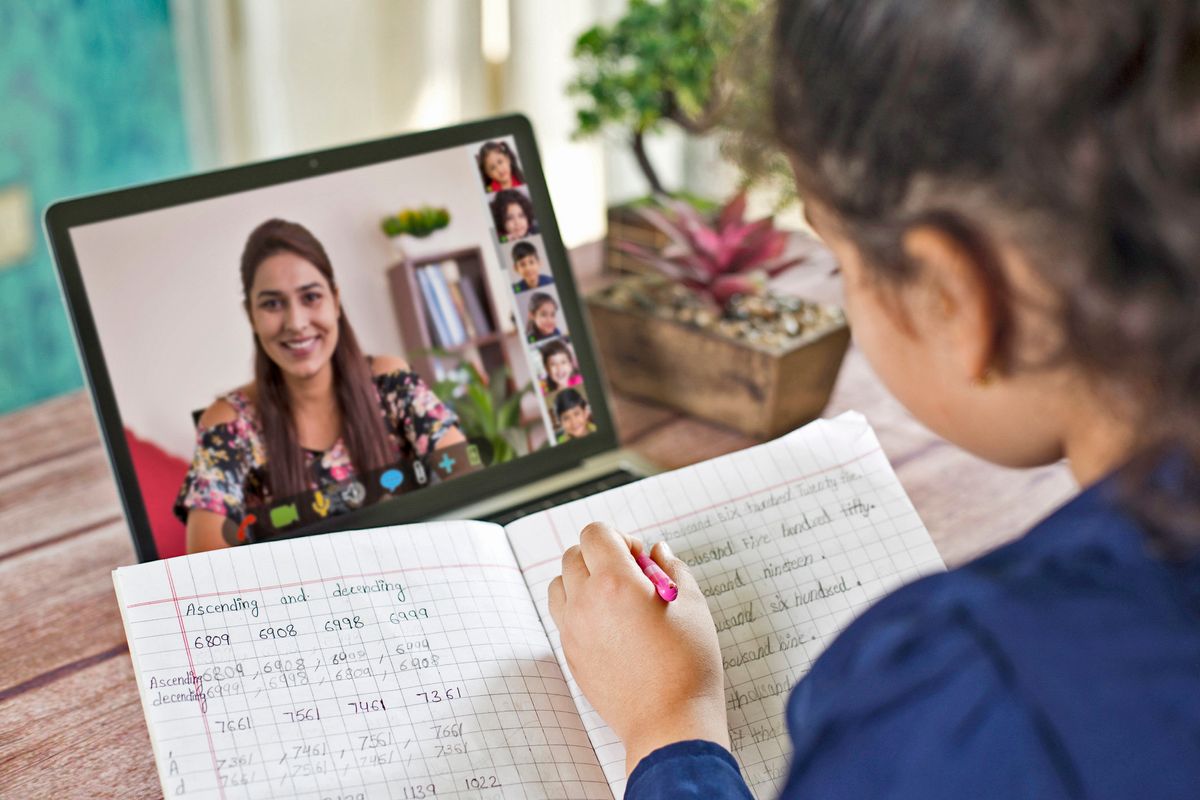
x=759, y=392
x=625, y=225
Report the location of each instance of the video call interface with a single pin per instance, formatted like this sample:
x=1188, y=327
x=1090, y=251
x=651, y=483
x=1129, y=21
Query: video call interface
x=377, y=366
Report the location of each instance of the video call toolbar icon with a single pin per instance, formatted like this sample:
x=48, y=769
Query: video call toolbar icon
x=247, y=521
x=334, y=499
x=391, y=479
x=321, y=504
x=282, y=516
x=355, y=494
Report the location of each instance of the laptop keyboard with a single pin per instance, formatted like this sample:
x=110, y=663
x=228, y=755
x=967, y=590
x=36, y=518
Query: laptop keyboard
x=600, y=484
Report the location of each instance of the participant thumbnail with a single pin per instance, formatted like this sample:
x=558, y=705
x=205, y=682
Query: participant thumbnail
x=542, y=313
x=529, y=265
x=512, y=213
x=499, y=168
x=572, y=414
x=559, y=367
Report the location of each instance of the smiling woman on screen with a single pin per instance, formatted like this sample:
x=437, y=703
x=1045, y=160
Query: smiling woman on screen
x=318, y=412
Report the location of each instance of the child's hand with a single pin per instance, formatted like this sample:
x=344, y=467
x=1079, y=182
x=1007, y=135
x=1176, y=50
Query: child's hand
x=651, y=669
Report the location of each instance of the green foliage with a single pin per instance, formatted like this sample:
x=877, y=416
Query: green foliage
x=418, y=222
x=716, y=255
x=748, y=137
x=486, y=408
x=661, y=61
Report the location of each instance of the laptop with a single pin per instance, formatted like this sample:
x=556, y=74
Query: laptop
x=440, y=252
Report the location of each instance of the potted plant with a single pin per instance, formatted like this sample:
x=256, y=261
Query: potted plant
x=488, y=408
x=705, y=335
x=662, y=63
x=416, y=222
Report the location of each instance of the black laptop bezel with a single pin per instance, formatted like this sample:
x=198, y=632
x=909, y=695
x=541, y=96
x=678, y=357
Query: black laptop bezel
x=431, y=501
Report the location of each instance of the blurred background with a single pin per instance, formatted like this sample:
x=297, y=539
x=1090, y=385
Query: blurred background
x=98, y=95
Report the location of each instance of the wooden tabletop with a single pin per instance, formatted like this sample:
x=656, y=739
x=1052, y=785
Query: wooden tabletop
x=71, y=722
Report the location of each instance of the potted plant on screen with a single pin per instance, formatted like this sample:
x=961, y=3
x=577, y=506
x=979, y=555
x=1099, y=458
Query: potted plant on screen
x=416, y=222
x=488, y=408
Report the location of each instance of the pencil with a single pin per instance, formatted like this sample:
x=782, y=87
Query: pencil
x=666, y=587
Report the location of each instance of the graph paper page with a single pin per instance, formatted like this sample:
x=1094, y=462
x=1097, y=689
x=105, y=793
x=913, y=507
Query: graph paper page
x=789, y=540
x=405, y=663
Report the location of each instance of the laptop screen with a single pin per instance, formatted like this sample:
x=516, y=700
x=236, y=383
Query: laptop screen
x=284, y=355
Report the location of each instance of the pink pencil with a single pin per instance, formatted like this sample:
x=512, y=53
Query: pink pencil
x=666, y=587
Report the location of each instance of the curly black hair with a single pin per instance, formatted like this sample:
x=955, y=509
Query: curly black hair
x=500, y=204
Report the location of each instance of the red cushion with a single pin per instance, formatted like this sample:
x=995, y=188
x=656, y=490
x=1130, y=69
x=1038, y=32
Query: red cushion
x=160, y=475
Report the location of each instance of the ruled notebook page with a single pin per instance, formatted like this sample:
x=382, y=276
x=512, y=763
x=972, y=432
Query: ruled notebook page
x=789, y=540
x=405, y=663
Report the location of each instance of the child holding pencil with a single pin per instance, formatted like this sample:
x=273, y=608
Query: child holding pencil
x=1013, y=194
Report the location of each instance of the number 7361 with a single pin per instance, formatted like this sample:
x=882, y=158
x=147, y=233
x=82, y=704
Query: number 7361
x=440, y=695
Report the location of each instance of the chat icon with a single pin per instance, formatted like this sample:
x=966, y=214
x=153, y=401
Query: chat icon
x=391, y=479
x=282, y=516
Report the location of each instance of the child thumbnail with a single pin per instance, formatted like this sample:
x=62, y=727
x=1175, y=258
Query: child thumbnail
x=498, y=167
x=574, y=415
x=528, y=265
x=543, y=321
x=562, y=370
x=512, y=214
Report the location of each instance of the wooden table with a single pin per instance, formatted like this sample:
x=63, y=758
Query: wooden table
x=71, y=722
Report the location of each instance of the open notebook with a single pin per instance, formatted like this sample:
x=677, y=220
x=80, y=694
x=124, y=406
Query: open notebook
x=420, y=661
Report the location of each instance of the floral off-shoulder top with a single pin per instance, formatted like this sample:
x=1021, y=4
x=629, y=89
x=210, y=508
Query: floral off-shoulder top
x=228, y=469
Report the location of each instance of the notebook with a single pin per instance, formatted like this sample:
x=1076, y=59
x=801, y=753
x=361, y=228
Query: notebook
x=419, y=661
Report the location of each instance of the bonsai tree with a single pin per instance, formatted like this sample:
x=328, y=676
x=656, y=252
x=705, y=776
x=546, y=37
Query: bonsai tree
x=663, y=61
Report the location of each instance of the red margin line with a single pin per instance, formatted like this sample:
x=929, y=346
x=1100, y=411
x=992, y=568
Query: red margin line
x=192, y=667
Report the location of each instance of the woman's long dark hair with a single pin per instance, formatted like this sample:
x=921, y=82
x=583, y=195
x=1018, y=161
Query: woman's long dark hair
x=1070, y=128
x=358, y=400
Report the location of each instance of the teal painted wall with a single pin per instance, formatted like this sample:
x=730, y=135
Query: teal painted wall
x=89, y=100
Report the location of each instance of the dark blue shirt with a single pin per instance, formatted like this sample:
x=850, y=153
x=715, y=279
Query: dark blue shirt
x=522, y=286
x=1063, y=665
